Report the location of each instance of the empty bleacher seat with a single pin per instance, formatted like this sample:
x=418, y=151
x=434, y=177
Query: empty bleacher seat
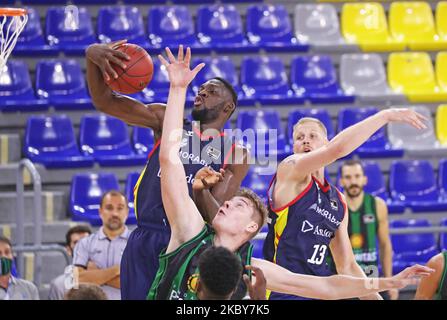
x=377, y=146
x=222, y=67
x=31, y=41
x=269, y=27
x=441, y=124
x=131, y=180
x=319, y=113
x=107, y=140
x=265, y=80
x=121, y=22
x=413, y=23
x=70, y=31
x=16, y=91
x=258, y=180
x=441, y=21
x=85, y=195
x=442, y=177
x=410, y=249
x=365, y=24
x=219, y=27
x=443, y=236
x=414, y=183
x=51, y=141
x=441, y=70
x=169, y=26
x=364, y=76
x=412, y=74
x=62, y=82
x=403, y=135
x=266, y=143
x=142, y=140
x=317, y=24
x=314, y=78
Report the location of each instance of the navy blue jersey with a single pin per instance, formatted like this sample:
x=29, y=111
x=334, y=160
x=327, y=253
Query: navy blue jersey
x=300, y=232
x=196, y=152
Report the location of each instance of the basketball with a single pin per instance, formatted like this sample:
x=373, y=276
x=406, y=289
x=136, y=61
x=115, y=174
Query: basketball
x=138, y=73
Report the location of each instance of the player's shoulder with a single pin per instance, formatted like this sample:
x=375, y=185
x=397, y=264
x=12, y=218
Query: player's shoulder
x=380, y=203
x=437, y=262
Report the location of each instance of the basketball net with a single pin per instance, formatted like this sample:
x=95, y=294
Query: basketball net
x=12, y=23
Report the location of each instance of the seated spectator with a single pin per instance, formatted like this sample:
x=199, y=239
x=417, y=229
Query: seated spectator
x=97, y=257
x=59, y=285
x=86, y=291
x=12, y=288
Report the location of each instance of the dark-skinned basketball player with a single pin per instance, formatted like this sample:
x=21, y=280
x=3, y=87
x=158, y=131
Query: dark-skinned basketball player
x=213, y=106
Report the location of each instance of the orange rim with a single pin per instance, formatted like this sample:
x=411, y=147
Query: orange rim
x=12, y=12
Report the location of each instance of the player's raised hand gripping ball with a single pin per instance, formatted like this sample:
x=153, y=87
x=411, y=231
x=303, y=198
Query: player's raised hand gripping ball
x=133, y=75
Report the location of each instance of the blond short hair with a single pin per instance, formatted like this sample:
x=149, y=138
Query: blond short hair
x=258, y=205
x=309, y=119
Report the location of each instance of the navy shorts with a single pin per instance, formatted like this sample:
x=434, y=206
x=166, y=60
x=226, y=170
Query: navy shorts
x=139, y=263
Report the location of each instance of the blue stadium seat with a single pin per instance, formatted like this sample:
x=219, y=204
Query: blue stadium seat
x=258, y=244
x=220, y=28
x=414, y=183
x=85, y=195
x=51, y=141
x=121, y=22
x=62, y=82
x=70, y=31
x=443, y=236
x=142, y=140
x=314, y=78
x=378, y=145
x=258, y=179
x=443, y=178
x=265, y=80
x=31, y=41
x=269, y=27
x=169, y=26
x=319, y=113
x=131, y=180
x=16, y=91
x=192, y=1
x=262, y=121
x=222, y=67
x=410, y=249
x=94, y=1
x=158, y=88
x=107, y=140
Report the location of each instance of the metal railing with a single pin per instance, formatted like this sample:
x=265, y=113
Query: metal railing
x=37, y=246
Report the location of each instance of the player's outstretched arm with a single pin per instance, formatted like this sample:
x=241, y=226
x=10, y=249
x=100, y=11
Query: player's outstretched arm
x=182, y=213
x=100, y=58
x=301, y=165
x=337, y=286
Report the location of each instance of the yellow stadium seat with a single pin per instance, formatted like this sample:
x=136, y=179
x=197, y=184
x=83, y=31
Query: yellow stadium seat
x=365, y=24
x=441, y=70
x=413, y=23
x=441, y=20
x=441, y=124
x=413, y=75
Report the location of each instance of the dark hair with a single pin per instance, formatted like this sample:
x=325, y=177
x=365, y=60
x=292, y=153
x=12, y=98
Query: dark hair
x=350, y=163
x=6, y=240
x=113, y=193
x=86, y=291
x=231, y=89
x=76, y=229
x=220, y=271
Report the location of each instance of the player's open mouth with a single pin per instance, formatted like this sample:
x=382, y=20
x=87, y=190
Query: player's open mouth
x=198, y=101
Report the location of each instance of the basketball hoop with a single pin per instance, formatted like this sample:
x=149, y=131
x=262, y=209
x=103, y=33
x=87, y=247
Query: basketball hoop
x=12, y=23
